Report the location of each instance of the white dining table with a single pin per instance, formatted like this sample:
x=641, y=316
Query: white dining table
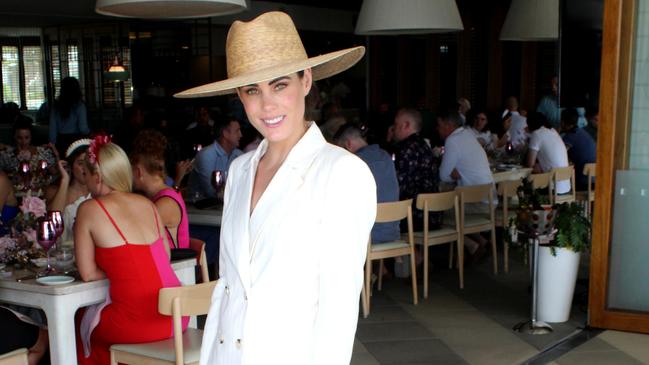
x=61, y=302
x=511, y=174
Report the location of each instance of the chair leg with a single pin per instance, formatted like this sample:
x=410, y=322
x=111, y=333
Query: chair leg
x=506, y=256
x=368, y=288
x=364, y=299
x=113, y=361
x=380, y=275
x=460, y=259
x=450, y=256
x=494, y=252
x=425, y=270
x=413, y=274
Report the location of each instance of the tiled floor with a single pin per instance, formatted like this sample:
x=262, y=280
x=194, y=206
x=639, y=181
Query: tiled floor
x=474, y=325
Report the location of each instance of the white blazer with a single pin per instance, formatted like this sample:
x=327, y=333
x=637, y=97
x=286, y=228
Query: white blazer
x=291, y=274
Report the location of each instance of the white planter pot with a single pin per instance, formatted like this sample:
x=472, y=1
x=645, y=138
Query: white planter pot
x=557, y=278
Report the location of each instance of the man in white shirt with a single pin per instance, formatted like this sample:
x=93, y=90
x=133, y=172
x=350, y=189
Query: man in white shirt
x=517, y=129
x=464, y=162
x=546, y=149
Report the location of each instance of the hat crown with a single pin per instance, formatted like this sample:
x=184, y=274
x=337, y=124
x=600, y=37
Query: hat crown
x=265, y=42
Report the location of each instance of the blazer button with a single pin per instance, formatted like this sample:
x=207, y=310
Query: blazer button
x=227, y=290
x=221, y=340
x=238, y=343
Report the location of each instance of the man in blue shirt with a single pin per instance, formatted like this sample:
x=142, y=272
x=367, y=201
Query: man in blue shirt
x=216, y=156
x=549, y=104
x=580, y=145
x=381, y=165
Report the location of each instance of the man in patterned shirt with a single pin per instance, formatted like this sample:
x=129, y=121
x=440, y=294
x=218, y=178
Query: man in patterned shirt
x=417, y=168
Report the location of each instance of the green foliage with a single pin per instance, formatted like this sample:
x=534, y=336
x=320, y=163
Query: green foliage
x=573, y=229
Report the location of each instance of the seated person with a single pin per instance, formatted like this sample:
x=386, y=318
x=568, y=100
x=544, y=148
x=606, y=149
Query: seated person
x=147, y=160
x=546, y=149
x=216, y=156
x=23, y=150
x=119, y=235
x=580, y=145
x=381, y=165
x=8, y=202
x=71, y=191
x=200, y=132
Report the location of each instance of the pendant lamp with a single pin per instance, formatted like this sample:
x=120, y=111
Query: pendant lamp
x=531, y=20
x=116, y=72
x=168, y=9
x=394, y=17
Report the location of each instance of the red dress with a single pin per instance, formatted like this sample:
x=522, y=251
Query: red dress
x=136, y=274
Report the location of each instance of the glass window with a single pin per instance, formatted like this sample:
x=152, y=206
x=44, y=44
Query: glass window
x=56, y=69
x=10, y=75
x=34, y=81
x=73, y=61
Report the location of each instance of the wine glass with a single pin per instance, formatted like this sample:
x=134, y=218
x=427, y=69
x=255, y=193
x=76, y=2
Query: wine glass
x=217, y=180
x=57, y=219
x=46, y=236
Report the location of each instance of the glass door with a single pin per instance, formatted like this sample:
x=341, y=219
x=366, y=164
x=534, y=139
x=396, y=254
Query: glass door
x=619, y=284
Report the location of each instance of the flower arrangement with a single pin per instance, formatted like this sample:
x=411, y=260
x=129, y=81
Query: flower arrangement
x=571, y=229
x=19, y=246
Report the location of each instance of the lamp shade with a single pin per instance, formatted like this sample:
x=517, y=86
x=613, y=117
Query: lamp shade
x=531, y=20
x=394, y=17
x=168, y=9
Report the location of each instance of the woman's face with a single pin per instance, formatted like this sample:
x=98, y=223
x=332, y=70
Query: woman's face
x=23, y=138
x=480, y=121
x=79, y=168
x=276, y=108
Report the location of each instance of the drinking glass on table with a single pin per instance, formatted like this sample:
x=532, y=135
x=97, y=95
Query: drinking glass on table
x=218, y=181
x=46, y=236
x=57, y=219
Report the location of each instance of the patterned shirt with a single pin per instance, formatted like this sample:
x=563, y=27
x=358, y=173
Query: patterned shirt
x=417, y=169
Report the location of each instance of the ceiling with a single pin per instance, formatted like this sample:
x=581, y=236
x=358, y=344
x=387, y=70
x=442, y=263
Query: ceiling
x=30, y=13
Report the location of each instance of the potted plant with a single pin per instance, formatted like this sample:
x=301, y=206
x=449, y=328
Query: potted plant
x=559, y=262
x=569, y=235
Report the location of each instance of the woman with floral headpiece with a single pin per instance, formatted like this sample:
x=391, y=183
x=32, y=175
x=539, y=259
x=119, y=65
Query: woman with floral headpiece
x=115, y=232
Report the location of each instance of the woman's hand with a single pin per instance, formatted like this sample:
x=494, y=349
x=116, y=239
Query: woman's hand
x=63, y=170
x=182, y=168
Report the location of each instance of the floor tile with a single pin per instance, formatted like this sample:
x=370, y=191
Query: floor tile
x=635, y=344
x=597, y=358
x=364, y=358
x=391, y=331
x=429, y=351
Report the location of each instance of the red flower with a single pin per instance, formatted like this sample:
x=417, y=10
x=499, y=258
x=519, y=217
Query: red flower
x=97, y=143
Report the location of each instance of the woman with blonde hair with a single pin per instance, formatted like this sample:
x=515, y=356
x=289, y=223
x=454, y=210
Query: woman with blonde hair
x=118, y=235
x=147, y=159
x=297, y=212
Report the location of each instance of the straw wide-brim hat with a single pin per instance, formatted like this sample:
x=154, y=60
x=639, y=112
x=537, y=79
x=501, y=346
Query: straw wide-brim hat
x=269, y=47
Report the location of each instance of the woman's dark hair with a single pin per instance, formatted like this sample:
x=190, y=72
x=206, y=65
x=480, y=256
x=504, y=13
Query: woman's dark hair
x=537, y=120
x=70, y=94
x=75, y=154
x=23, y=123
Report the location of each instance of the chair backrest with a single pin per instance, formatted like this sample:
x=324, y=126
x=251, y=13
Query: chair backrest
x=475, y=193
x=393, y=211
x=563, y=173
x=16, y=357
x=191, y=300
x=199, y=247
x=540, y=181
x=436, y=202
x=589, y=169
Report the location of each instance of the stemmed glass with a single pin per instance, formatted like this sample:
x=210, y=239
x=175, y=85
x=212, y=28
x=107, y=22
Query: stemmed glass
x=218, y=181
x=57, y=219
x=46, y=236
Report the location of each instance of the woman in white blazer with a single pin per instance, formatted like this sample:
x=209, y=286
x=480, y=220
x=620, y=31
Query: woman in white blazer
x=297, y=212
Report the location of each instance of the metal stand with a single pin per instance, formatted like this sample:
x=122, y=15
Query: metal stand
x=534, y=327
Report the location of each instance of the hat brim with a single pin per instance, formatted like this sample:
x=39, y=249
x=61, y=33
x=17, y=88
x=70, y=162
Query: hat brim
x=322, y=66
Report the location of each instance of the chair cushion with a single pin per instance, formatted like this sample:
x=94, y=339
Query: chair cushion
x=384, y=246
x=164, y=350
x=443, y=231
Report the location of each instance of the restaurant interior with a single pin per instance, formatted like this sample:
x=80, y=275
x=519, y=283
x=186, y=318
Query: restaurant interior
x=434, y=301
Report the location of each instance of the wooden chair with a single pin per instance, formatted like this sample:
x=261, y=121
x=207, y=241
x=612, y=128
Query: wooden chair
x=476, y=223
x=16, y=357
x=448, y=233
x=507, y=189
x=201, y=259
x=390, y=212
x=589, y=198
x=183, y=348
x=561, y=174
